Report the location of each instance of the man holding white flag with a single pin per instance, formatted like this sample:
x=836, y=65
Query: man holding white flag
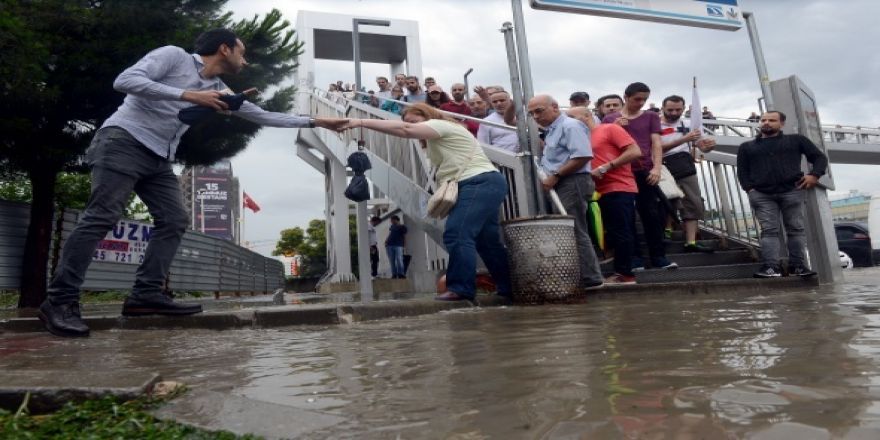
x=680, y=140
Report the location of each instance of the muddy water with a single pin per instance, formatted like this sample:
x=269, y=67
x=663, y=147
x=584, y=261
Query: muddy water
x=780, y=365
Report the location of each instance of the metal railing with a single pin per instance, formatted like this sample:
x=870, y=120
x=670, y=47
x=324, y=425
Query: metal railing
x=407, y=157
x=734, y=127
x=728, y=213
x=727, y=210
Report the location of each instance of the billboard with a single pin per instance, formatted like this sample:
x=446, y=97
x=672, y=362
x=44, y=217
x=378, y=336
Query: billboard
x=214, y=196
x=719, y=14
x=126, y=243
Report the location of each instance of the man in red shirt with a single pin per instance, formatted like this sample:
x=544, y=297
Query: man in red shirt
x=460, y=106
x=613, y=150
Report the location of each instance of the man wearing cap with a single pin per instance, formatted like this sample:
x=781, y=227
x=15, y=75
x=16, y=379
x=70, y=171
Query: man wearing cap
x=582, y=99
x=133, y=151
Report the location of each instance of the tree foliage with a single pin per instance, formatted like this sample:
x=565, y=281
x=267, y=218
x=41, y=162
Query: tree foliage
x=311, y=245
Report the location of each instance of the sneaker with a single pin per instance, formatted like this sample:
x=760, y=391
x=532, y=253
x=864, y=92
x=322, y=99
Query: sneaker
x=637, y=264
x=63, y=320
x=663, y=263
x=620, y=279
x=696, y=247
x=767, y=271
x=800, y=271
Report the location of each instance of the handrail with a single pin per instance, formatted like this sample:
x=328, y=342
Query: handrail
x=406, y=155
x=728, y=212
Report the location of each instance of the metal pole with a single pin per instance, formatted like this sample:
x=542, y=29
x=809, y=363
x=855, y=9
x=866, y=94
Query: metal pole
x=202, y=211
x=533, y=191
x=356, y=49
x=467, y=87
x=528, y=92
x=516, y=85
x=364, y=278
x=522, y=46
x=760, y=63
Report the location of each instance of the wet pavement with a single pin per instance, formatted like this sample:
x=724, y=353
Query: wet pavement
x=788, y=364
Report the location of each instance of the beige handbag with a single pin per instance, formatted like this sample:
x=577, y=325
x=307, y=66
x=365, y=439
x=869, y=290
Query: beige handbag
x=446, y=194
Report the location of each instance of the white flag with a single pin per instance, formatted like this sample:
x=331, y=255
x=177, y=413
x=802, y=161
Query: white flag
x=696, y=110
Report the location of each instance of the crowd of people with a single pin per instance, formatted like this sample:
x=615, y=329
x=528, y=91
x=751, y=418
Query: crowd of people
x=618, y=149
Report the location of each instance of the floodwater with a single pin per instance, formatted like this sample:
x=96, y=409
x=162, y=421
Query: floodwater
x=792, y=364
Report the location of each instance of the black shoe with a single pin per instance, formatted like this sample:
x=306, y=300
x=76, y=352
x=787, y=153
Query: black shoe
x=696, y=247
x=767, y=271
x=587, y=284
x=157, y=304
x=800, y=271
x=63, y=320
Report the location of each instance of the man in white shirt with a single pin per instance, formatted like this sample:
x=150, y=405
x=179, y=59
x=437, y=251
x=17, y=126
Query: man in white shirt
x=678, y=141
x=497, y=136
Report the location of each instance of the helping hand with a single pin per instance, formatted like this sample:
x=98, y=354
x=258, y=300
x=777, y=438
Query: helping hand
x=335, y=124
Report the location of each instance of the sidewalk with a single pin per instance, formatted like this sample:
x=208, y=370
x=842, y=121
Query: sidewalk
x=345, y=308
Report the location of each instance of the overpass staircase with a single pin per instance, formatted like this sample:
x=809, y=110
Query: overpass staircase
x=400, y=172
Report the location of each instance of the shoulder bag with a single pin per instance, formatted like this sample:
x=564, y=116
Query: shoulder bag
x=446, y=194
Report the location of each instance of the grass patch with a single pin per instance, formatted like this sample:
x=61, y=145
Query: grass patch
x=8, y=299
x=103, y=419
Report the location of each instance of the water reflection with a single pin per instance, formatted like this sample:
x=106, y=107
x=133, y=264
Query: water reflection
x=776, y=365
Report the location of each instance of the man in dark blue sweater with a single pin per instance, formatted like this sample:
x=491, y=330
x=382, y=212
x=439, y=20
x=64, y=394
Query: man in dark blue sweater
x=769, y=170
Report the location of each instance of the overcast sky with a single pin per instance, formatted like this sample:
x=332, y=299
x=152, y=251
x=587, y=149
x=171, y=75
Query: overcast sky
x=830, y=44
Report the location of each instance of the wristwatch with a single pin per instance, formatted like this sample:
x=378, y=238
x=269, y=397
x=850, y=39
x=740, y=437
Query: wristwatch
x=556, y=173
x=313, y=123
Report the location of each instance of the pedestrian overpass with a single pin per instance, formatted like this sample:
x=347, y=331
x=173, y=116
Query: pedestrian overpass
x=400, y=169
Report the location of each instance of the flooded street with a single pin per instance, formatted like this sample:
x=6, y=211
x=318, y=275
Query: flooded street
x=792, y=364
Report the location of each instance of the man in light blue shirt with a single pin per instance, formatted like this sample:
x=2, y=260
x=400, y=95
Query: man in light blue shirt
x=566, y=162
x=133, y=151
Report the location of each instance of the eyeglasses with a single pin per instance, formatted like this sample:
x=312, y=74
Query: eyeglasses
x=434, y=93
x=537, y=111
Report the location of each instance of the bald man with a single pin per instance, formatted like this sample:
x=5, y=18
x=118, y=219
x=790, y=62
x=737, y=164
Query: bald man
x=566, y=161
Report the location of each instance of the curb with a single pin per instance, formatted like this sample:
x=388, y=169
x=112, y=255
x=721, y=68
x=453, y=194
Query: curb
x=292, y=315
x=50, y=390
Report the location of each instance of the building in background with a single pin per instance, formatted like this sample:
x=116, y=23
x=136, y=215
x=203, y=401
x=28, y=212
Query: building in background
x=851, y=207
x=214, y=191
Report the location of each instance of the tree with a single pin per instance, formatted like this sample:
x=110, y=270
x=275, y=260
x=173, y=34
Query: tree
x=290, y=243
x=311, y=245
x=59, y=60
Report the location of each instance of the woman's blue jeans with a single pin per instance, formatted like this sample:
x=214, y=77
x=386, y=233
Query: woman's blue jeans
x=473, y=228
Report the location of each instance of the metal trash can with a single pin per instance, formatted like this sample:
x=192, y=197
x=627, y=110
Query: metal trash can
x=543, y=259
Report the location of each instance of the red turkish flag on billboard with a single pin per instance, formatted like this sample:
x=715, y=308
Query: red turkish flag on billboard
x=248, y=202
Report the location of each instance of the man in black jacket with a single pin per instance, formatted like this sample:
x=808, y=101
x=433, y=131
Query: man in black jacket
x=769, y=169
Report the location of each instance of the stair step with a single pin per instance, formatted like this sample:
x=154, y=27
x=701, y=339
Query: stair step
x=734, y=256
x=677, y=247
x=697, y=273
